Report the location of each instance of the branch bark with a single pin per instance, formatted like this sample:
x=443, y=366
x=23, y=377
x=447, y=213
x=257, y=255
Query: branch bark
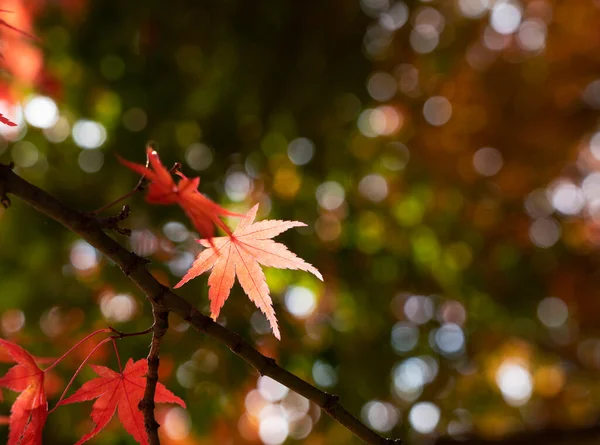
x=167, y=301
x=159, y=329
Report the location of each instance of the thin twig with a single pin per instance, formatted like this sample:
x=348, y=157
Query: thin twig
x=137, y=272
x=119, y=334
x=114, y=343
x=112, y=222
x=138, y=188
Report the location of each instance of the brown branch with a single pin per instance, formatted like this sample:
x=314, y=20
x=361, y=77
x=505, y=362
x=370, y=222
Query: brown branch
x=119, y=334
x=112, y=222
x=159, y=329
x=135, y=268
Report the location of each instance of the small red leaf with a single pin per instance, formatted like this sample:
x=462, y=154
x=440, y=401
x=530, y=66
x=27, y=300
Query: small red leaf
x=121, y=392
x=7, y=121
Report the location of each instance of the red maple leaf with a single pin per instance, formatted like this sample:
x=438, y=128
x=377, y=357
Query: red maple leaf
x=122, y=390
x=7, y=121
x=203, y=212
x=240, y=254
x=30, y=409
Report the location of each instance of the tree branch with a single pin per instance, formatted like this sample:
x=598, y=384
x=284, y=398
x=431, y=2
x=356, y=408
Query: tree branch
x=134, y=267
x=159, y=329
x=112, y=222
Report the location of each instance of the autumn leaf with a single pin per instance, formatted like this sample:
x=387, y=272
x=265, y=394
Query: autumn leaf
x=30, y=409
x=5, y=357
x=122, y=391
x=203, y=212
x=240, y=254
x=7, y=121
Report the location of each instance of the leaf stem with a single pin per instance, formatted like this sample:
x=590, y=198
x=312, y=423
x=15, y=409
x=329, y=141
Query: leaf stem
x=117, y=353
x=105, y=330
x=77, y=372
x=138, y=188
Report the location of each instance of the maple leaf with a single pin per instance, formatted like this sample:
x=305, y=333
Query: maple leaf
x=122, y=391
x=240, y=254
x=203, y=212
x=30, y=409
x=7, y=121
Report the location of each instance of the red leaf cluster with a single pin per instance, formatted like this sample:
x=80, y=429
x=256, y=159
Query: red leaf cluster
x=238, y=254
x=115, y=391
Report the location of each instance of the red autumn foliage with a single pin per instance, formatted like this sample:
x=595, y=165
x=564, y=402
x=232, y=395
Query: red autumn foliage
x=240, y=254
x=7, y=121
x=203, y=212
x=22, y=60
x=30, y=409
x=120, y=391
x=114, y=390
